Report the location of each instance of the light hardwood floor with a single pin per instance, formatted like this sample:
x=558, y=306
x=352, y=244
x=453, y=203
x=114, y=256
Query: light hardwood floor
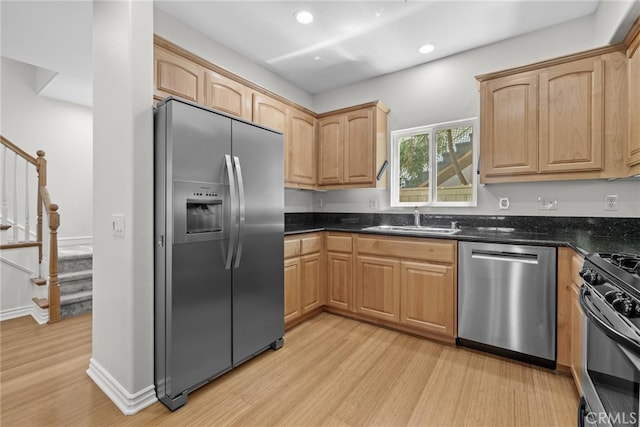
x=331, y=371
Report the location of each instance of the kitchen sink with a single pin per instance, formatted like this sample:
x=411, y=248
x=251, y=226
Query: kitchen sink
x=414, y=229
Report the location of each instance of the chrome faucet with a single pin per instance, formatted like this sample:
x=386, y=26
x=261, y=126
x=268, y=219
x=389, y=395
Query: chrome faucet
x=416, y=218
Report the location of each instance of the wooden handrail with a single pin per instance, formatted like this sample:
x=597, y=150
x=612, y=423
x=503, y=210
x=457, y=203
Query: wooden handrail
x=19, y=151
x=44, y=200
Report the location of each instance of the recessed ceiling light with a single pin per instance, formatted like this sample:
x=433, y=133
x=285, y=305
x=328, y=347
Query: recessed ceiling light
x=427, y=48
x=303, y=16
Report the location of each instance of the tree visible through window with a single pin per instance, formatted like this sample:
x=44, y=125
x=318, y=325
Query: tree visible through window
x=449, y=162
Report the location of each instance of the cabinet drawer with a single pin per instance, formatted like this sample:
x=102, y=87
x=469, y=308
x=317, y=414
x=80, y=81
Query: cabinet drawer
x=409, y=248
x=310, y=244
x=576, y=266
x=291, y=247
x=339, y=243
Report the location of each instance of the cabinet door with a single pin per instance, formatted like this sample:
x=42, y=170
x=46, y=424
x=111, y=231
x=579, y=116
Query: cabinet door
x=576, y=337
x=300, y=149
x=339, y=277
x=291, y=289
x=572, y=116
x=428, y=297
x=359, y=154
x=310, y=282
x=226, y=95
x=330, y=152
x=634, y=102
x=174, y=75
x=378, y=287
x=509, y=126
x=269, y=112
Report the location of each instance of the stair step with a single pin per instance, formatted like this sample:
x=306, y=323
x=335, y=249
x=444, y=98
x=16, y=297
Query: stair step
x=42, y=302
x=79, y=281
x=75, y=304
x=72, y=263
x=38, y=281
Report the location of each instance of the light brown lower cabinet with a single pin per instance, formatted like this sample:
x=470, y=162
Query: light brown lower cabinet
x=303, y=278
x=408, y=282
x=378, y=287
x=428, y=293
x=570, y=315
x=339, y=270
x=292, y=309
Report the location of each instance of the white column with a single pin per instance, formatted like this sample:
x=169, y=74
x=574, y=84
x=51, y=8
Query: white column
x=122, y=362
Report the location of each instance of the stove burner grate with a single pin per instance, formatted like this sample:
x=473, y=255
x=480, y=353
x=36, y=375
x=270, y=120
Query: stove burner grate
x=628, y=262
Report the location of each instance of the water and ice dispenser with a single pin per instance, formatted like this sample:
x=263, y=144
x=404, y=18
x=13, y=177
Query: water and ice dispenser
x=204, y=215
x=199, y=211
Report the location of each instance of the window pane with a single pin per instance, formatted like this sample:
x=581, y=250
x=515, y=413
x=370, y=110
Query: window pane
x=414, y=168
x=454, y=167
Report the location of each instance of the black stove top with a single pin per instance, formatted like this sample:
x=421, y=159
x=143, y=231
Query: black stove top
x=616, y=276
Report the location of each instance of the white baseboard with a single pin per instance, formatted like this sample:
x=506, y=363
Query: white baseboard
x=40, y=315
x=128, y=403
x=12, y=313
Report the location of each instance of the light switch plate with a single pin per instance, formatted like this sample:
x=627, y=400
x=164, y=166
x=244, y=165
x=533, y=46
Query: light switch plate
x=117, y=225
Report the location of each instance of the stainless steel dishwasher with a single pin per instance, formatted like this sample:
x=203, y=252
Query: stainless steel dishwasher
x=507, y=300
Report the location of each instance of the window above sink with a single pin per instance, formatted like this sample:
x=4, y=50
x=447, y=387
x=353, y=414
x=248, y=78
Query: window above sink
x=445, y=154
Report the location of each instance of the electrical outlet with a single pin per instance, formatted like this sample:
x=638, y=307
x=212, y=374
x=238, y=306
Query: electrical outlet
x=319, y=203
x=373, y=203
x=547, y=204
x=504, y=203
x=611, y=202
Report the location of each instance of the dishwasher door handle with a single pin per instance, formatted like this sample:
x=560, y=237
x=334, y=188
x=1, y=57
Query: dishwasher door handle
x=505, y=256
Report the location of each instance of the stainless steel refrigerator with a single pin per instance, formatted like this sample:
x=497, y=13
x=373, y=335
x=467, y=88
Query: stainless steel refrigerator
x=219, y=228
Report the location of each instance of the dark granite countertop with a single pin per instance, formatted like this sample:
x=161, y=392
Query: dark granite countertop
x=583, y=240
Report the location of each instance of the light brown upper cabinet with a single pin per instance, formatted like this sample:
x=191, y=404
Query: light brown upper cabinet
x=510, y=126
x=300, y=150
x=555, y=120
x=175, y=75
x=269, y=112
x=225, y=94
x=633, y=53
x=572, y=116
x=352, y=146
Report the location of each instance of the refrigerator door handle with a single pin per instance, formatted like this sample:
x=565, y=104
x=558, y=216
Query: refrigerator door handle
x=232, y=219
x=238, y=169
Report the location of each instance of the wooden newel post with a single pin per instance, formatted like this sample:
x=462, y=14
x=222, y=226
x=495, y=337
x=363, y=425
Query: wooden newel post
x=54, y=285
x=41, y=167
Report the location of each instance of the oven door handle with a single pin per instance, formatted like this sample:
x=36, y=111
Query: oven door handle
x=582, y=411
x=592, y=313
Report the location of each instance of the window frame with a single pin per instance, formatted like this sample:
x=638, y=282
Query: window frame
x=432, y=131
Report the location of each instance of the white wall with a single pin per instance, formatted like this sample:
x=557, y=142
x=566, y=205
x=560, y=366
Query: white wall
x=65, y=132
x=446, y=90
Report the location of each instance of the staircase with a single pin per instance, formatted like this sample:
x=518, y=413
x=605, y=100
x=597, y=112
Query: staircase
x=75, y=278
x=19, y=193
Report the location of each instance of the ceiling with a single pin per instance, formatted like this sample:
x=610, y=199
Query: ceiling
x=348, y=41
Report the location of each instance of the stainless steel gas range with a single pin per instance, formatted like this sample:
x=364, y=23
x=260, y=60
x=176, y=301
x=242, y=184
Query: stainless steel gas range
x=610, y=299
